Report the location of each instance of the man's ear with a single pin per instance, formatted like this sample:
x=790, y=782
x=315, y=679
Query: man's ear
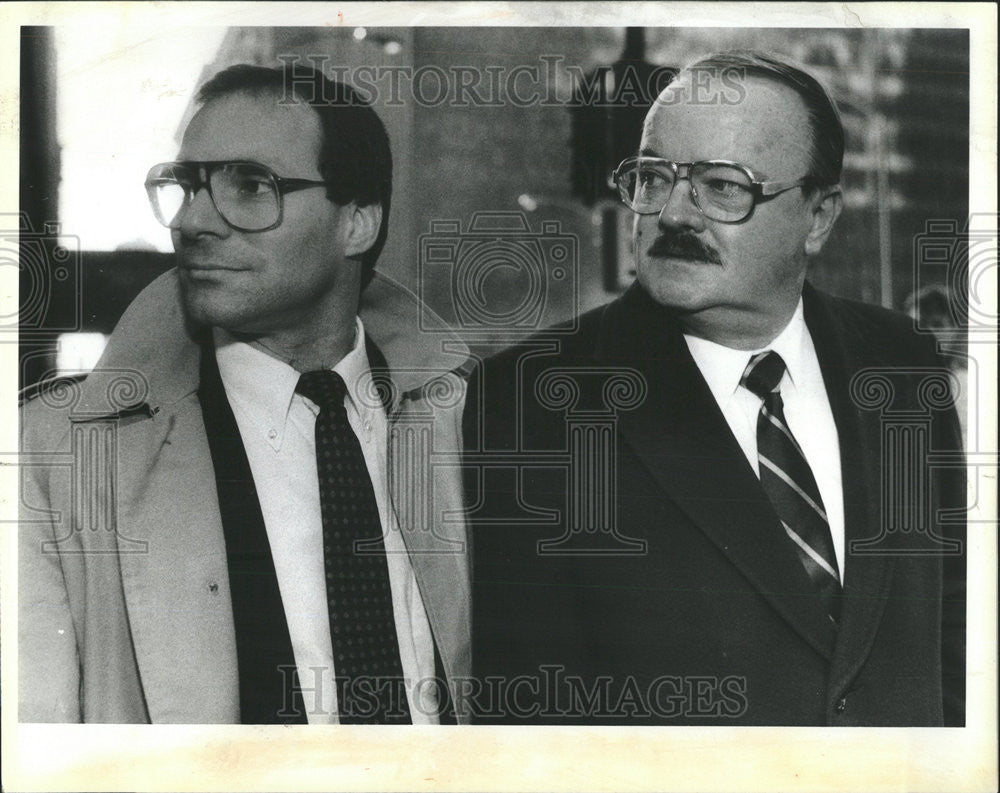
x=365, y=223
x=826, y=207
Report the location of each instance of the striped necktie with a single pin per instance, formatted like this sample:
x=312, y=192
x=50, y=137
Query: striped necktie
x=362, y=628
x=789, y=483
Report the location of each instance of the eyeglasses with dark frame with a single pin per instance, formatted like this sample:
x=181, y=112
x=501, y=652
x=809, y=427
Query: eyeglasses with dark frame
x=722, y=190
x=247, y=195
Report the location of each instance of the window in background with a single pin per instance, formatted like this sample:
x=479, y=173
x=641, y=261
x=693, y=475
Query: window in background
x=122, y=92
x=79, y=353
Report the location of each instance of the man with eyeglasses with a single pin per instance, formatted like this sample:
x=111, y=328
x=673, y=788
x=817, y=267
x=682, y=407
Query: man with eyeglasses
x=266, y=557
x=727, y=546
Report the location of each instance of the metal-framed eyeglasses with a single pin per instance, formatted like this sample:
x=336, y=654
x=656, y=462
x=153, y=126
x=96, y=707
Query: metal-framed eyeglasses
x=247, y=195
x=721, y=190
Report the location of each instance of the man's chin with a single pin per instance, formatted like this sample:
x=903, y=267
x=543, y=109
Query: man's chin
x=662, y=283
x=203, y=307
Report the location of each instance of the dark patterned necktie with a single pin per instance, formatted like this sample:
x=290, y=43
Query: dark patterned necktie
x=789, y=483
x=369, y=673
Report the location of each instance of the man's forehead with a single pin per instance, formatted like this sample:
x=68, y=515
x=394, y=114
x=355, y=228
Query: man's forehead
x=713, y=90
x=254, y=127
x=727, y=110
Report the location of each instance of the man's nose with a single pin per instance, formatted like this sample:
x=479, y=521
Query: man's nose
x=199, y=216
x=681, y=211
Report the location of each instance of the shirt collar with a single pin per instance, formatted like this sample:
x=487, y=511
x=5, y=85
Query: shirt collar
x=157, y=338
x=722, y=367
x=354, y=368
x=262, y=387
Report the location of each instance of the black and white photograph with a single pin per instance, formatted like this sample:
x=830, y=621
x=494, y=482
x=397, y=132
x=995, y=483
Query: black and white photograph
x=499, y=396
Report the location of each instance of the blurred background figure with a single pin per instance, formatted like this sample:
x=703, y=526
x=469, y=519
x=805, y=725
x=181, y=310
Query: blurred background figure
x=932, y=309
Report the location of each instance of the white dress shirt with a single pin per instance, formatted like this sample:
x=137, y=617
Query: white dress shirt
x=278, y=430
x=807, y=409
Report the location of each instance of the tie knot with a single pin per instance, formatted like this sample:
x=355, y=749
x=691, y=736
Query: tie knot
x=763, y=373
x=324, y=387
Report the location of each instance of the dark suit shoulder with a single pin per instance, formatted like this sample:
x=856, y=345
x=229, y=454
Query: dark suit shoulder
x=505, y=383
x=883, y=336
x=571, y=343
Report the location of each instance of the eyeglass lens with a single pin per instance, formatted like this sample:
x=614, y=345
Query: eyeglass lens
x=245, y=194
x=722, y=192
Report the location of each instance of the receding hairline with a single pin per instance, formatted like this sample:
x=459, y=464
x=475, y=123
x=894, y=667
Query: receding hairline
x=259, y=94
x=773, y=82
x=770, y=79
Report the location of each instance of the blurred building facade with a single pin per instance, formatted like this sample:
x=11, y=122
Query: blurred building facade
x=503, y=143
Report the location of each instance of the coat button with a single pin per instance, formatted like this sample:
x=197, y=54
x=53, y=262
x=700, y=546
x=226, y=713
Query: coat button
x=841, y=705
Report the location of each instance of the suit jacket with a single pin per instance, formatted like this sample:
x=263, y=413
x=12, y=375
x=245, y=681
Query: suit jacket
x=698, y=611
x=125, y=612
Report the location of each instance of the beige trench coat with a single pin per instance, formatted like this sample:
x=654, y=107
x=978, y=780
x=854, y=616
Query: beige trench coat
x=124, y=605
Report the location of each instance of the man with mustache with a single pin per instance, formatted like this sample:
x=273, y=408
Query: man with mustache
x=245, y=556
x=711, y=552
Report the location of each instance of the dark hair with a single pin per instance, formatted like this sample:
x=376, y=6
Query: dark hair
x=354, y=158
x=827, y=158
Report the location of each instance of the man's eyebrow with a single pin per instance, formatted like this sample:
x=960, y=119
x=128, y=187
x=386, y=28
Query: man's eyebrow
x=645, y=151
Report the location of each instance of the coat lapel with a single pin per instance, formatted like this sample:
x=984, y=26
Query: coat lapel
x=177, y=593
x=866, y=576
x=427, y=499
x=168, y=530
x=681, y=436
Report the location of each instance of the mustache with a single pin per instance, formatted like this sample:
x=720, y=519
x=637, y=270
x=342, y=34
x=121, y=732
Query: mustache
x=683, y=246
